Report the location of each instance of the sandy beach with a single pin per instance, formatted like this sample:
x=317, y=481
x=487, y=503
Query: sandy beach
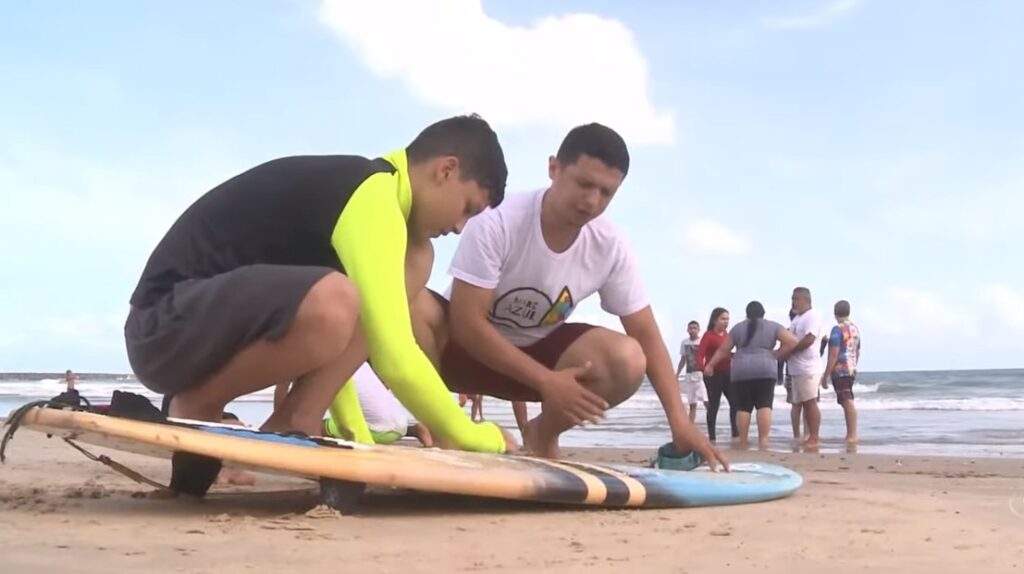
x=64, y=513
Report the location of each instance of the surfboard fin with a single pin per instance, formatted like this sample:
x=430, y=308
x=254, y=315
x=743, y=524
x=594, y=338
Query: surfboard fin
x=341, y=495
x=193, y=474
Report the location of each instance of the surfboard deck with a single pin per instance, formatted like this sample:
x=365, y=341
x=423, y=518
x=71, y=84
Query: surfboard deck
x=511, y=477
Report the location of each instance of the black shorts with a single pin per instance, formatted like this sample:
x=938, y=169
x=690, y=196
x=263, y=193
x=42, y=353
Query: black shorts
x=753, y=394
x=194, y=330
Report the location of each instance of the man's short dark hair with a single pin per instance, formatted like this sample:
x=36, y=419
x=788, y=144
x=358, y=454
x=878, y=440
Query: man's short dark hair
x=842, y=308
x=691, y=323
x=470, y=139
x=597, y=141
x=804, y=291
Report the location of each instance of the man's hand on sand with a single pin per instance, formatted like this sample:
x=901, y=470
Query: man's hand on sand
x=690, y=438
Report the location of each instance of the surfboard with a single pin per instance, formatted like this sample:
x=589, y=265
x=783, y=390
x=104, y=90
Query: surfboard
x=511, y=477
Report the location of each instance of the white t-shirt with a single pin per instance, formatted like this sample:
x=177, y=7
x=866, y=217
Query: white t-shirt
x=807, y=361
x=688, y=350
x=381, y=408
x=537, y=289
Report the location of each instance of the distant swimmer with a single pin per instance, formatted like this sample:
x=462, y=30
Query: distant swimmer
x=69, y=380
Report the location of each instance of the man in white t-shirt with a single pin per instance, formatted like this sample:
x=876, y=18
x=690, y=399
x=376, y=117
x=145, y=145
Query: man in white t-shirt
x=804, y=363
x=519, y=272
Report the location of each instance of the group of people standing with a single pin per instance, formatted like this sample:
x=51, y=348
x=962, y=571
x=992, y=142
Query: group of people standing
x=746, y=362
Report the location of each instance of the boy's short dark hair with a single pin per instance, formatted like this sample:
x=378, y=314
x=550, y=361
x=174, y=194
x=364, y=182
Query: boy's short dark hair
x=842, y=308
x=597, y=141
x=691, y=323
x=471, y=139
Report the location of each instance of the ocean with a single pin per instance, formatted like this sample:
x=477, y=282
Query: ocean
x=955, y=413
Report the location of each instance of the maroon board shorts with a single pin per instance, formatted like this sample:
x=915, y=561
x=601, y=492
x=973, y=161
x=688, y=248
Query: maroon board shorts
x=844, y=388
x=464, y=374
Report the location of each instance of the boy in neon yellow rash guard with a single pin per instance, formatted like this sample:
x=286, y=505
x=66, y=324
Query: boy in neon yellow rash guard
x=295, y=271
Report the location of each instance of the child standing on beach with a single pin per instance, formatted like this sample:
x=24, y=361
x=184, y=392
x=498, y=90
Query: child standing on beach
x=843, y=354
x=691, y=383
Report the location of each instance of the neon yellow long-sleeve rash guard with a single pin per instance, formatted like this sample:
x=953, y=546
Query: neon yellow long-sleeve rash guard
x=347, y=213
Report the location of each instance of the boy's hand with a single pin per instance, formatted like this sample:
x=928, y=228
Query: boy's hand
x=511, y=445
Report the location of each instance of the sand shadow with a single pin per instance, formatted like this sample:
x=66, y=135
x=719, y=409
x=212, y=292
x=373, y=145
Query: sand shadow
x=291, y=498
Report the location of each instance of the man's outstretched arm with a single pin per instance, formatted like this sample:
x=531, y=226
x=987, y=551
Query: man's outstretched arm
x=642, y=326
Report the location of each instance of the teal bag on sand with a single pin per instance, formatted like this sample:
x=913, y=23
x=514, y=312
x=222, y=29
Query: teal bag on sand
x=669, y=458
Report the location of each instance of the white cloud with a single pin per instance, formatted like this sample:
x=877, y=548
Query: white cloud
x=978, y=215
x=915, y=314
x=86, y=329
x=822, y=17
x=1007, y=304
x=921, y=328
x=560, y=71
x=928, y=310
x=707, y=237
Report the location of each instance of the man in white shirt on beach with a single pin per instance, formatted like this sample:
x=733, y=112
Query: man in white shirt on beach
x=804, y=363
x=519, y=272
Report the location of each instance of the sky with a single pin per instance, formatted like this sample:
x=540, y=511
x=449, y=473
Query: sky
x=871, y=151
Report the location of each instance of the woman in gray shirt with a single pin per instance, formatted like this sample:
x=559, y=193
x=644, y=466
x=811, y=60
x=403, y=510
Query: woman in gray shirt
x=754, y=369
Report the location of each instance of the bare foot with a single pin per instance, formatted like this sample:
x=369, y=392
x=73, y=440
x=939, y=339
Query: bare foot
x=423, y=435
x=536, y=444
x=811, y=444
x=236, y=477
x=762, y=443
x=851, y=439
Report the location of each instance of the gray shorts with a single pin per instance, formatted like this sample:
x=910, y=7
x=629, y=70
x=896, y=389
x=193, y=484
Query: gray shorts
x=194, y=330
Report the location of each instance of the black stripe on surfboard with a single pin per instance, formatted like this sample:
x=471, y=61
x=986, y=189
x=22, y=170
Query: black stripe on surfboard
x=558, y=485
x=618, y=491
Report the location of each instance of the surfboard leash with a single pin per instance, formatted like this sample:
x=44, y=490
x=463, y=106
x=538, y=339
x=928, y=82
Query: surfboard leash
x=14, y=422
x=134, y=475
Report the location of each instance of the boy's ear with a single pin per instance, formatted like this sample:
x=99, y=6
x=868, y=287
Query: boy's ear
x=446, y=168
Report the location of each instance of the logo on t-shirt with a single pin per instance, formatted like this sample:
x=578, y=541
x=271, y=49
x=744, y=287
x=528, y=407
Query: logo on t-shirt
x=528, y=307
